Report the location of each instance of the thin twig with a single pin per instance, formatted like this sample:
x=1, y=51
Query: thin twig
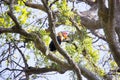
x=24, y=59
x=43, y=23
x=53, y=3
x=17, y=64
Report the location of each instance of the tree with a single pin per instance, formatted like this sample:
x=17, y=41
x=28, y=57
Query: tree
x=19, y=31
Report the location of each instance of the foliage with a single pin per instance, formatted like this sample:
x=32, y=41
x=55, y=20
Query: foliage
x=22, y=11
x=5, y=20
x=65, y=12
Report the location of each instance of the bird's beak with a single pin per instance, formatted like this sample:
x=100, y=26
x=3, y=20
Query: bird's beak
x=66, y=38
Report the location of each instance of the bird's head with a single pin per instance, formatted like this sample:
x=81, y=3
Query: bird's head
x=63, y=35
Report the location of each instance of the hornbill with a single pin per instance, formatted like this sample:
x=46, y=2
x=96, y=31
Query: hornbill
x=62, y=36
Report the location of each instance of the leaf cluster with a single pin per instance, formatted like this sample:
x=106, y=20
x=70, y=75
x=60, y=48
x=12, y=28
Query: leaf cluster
x=65, y=12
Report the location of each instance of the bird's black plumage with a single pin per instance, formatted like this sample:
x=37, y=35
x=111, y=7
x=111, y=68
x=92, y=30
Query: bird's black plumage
x=52, y=46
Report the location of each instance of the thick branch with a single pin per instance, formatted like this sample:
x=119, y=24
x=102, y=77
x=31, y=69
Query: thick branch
x=89, y=75
x=102, y=12
x=89, y=2
x=117, y=29
x=34, y=70
x=14, y=30
x=36, y=6
x=100, y=36
x=109, y=30
x=12, y=16
x=89, y=23
x=14, y=19
x=113, y=43
x=12, y=69
x=7, y=2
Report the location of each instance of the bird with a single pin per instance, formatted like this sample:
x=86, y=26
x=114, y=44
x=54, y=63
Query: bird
x=60, y=37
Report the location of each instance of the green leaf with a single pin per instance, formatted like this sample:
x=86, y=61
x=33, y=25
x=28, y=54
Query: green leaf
x=1, y=21
x=17, y=8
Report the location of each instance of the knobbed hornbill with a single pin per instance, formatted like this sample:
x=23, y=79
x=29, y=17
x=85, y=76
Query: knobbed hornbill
x=62, y=36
